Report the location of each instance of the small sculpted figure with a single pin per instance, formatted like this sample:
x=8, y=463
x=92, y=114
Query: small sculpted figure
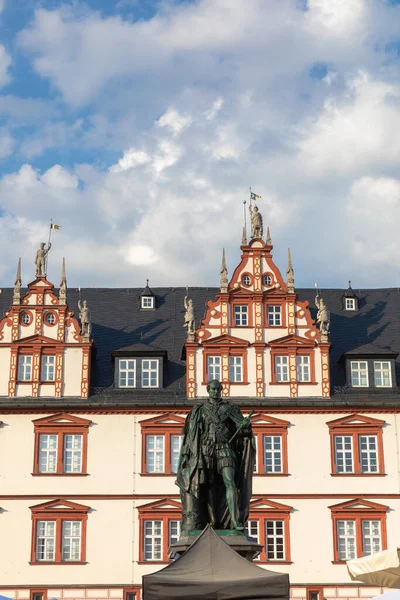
x=256, y=222
x=189, y=317
x=40, y=261
x=84, y=315
x=323, y=316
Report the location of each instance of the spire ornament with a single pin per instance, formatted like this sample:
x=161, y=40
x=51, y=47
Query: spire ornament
x=269, y=241
x=323, y=317
x=223, y=281
x=244, y=237
x=17, y=285
x=62, y=296
x=290, y=275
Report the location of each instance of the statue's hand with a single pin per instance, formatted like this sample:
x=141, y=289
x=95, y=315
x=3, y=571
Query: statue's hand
x=246, y=427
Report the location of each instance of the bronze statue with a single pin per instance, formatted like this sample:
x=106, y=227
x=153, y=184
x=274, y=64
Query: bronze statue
x=216, y=465
x=256, y=222
x=40, y=260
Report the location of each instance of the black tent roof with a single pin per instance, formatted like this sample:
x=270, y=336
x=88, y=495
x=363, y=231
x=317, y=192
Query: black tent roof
x=211, y=570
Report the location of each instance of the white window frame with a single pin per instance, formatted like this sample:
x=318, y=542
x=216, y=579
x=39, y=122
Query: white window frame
x=347, y=553
x=267, y=280
x=350, y=304
x=369, y=453
x=272, y=457
x=274, y=315
x=147, y=302
x=214, y=366
x=156, y=539
x=47, y=540
x=241, y=315
x=276, y=538
x=383, y=372
x=75, y=453
x=157, y=452
x=282, y=368
x=27, y=320
x=175, y=452
x=236, y=369
x=48, y=370
x=253, y=530
x=126, y=370
x=369, y=538
x=50, y=318
x=25, y=367
x=153, y=367
x=48, y=453
x=176, y=535
x=70, y=541
x=246, y=280
x=303, y=368
x=359, y=371
x=343, y=453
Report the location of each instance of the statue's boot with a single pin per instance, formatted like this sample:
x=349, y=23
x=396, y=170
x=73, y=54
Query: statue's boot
x=231, y=500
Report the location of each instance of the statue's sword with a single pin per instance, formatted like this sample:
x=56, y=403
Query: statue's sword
x=239, y=429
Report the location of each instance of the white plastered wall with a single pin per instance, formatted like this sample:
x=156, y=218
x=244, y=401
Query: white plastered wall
x=5, y=358
x=72, y=375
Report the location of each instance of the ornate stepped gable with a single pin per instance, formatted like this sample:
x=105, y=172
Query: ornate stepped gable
x=259, y=318
x=41, y=326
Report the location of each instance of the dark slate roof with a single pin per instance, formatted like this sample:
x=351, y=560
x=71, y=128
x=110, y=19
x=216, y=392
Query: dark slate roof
x=350, y=293
x=370, y=350
x=118, y=322
x=139, y=349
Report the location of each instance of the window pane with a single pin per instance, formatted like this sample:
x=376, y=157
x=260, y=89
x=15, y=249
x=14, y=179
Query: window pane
x=303, y=368
x=275, y=542
x=240, y=315
x=359, y=373
x=214, y=367
x=282, y=368
x=346, y=539
x=382, y=374
x=371, y=535
x=127, y=373
x=154, y=454
x=153, y=540
x=150, y=373
x=71, y=540
x=235, y=369
x=45, y=540
x=274, y=316
x=273, y=454
x=73, y=453
x=344, y=453
x=176, y=441
x=47, y=453
x=368, y=453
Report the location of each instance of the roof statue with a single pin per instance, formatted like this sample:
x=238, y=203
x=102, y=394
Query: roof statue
x=189, y=318
x=290, y=275
x=62, y=296
x=17, y=285
x=40, y=260
x=84, y=316
x=216, y=465
x=268, y=241
x=256, y=222
x=323, y=317
x=223, y=282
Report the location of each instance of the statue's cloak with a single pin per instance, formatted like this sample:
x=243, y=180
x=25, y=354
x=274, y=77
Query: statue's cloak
x=191, y=476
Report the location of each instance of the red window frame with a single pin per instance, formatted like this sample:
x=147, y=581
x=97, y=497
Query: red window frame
x=263, y=424
x=164, y=510
x=132, y=590
x=357, y=510
x=60, y=425
x=286, y=350
x=228, y=351
x=59, y=510
x=160, y=426
x=42, y=591
x=356, y=425
x=250, y=310
x=263, y=510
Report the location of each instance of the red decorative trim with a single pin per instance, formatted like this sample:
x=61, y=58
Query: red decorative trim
x=157, y=511
x=59, y=510
x=61, y=424
x=12, y=380
x=50, y=312
x=365, y=426
x=262, y=424
x=250, y=309
x=263, y=510
x=351, y=511
x=159, y=426
x=251, y=277
x=85, y=370
x=271, y=301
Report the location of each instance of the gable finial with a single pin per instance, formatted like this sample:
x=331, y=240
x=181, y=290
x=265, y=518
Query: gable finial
x=244, y=237
x=17, y=285
x=223, y=281
x=269, y=241
x=290, y=275
x=62, y=295
x=349, y=283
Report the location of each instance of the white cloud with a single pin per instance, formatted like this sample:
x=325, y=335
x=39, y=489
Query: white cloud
x=58, y=177
x=131, y=158
x=174, y=121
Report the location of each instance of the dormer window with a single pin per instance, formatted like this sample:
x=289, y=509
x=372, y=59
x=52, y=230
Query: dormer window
x=349, y=299
x=147, y=302
x=370, y=366
x=350, y=304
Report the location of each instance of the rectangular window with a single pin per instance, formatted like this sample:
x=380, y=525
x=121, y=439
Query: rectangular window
x=275, y=540
x=241, y=315
x=350, y=304
x=48, y=453
x=150, y=373
x=45, y=540
x=174, y=531
x=152, y=540
x=72, y=453
x=371, y=537
x=214, y=367
x=154, y=453
x=282, y=368
x=273, y=453
x=127, y=373
x=24, y=368
x=303, y=368
x=71, y=541
x=274, y=316
x=382, y=374
x=346, y=539
x=359, y=373
x=368, y=446
x=176, y=441
x=48, y=368
x=344, y=454
x=235, y=369
x=147, y=302
x=253, y=531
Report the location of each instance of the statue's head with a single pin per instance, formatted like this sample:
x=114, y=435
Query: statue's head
x=190, y=302
x=322, y=303
x=42, y=245
x=214, y=389
x=255, y=208
x=85, y=303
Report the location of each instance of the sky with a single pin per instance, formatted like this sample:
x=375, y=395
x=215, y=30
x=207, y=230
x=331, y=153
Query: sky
x=139, y=126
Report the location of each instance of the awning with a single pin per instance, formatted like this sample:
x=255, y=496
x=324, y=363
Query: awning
x=382, y=569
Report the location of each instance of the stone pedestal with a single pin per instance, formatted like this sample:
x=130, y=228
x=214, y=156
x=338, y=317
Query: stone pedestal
x=244, y=545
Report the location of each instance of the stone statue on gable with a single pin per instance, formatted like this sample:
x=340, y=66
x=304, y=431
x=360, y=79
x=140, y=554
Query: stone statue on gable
x=323, y=316
x=256, y=222
x=40, y=260
x=189, y=317
x=84, y=316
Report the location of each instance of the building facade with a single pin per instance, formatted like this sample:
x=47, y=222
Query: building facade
x=91, y=415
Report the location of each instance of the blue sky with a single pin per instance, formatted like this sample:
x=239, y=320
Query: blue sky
x=140, y=125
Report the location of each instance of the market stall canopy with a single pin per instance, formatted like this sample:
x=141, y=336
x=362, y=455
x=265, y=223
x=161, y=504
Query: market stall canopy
x=211, y=570
x=382, y=568
x=393, y=595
